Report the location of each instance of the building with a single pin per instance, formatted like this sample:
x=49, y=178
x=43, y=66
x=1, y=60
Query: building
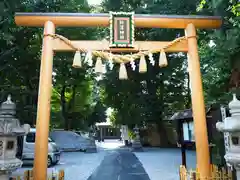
x=107, y=131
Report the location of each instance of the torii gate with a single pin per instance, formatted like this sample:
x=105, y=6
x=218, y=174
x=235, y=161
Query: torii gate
x=50, y=44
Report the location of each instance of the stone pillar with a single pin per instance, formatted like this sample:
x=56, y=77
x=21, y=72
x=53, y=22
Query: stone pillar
x=124, y=134
x=231, y=125
x=136, y=145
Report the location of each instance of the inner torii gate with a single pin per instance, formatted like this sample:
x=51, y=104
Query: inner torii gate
x=50, y=44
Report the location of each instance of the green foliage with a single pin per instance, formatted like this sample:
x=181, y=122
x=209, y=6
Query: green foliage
x=20, y=52
x=220, y=59
x=144, y=98
x=151, y=97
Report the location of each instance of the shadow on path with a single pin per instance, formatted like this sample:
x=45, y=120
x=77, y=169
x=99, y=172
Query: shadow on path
x=120, y=165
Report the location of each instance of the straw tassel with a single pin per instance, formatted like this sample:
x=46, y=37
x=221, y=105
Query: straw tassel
x=98, y=65
x=163, y=59
x=88, y=58
x=142, y=65
x=77, y=61
x=123, y=72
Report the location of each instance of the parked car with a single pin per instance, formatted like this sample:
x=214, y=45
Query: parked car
x=69, y=140
x=28, y=149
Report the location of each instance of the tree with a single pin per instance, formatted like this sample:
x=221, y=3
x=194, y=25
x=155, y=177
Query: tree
x=152, y=97
x=98, y=114
x=220, y=58
x=19, y=60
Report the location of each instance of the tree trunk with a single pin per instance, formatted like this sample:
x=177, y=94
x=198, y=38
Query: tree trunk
x=71, y=106
x=160, y=125
x=63, y=109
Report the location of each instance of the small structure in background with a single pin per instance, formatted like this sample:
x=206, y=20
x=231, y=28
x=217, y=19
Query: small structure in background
x=107, y=131
x=136, y=145
x=231, y=125
x=10, y=129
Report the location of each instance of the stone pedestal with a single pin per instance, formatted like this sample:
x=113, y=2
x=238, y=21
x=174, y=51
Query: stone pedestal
x=136, y=145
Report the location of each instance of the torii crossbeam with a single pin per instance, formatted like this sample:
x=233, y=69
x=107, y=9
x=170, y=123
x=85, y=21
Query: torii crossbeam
x=51, y=20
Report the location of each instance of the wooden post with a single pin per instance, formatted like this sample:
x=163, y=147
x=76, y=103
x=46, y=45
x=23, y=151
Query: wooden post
x=198, y=107
x=43, y=111
x=183, y=146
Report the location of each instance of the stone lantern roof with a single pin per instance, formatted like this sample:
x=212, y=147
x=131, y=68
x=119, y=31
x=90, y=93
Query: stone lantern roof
x=231, y=124
x=9, y=125
x=234, y=106
x=8, y=107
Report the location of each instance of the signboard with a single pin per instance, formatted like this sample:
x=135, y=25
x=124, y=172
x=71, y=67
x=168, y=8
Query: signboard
x=121, y=29
x=188, y=131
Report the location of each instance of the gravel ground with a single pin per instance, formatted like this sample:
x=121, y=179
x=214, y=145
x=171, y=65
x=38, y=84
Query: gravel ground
x=77, y=165
x=164, y=163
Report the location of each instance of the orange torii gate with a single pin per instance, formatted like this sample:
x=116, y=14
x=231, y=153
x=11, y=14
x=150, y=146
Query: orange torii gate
x=50, y=44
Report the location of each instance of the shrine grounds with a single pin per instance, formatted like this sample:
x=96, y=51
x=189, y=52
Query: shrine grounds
x=115, y=163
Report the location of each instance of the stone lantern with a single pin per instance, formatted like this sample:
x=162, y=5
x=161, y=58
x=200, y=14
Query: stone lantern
x=136, y=145
x=91, y=145
x=231, y=125
x=10, y=129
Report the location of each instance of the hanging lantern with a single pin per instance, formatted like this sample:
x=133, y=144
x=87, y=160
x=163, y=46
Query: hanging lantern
x=142, y=65
x=123, y=72
x=98, y=65
x=163, y=59
x=77, y=61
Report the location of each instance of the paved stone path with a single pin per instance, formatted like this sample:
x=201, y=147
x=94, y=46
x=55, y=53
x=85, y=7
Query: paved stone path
x=120, y=164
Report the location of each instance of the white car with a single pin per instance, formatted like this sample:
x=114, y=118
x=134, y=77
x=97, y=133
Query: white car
x=28, y=149
x=69, y=140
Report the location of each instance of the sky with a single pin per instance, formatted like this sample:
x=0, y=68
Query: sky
x=94, y=2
